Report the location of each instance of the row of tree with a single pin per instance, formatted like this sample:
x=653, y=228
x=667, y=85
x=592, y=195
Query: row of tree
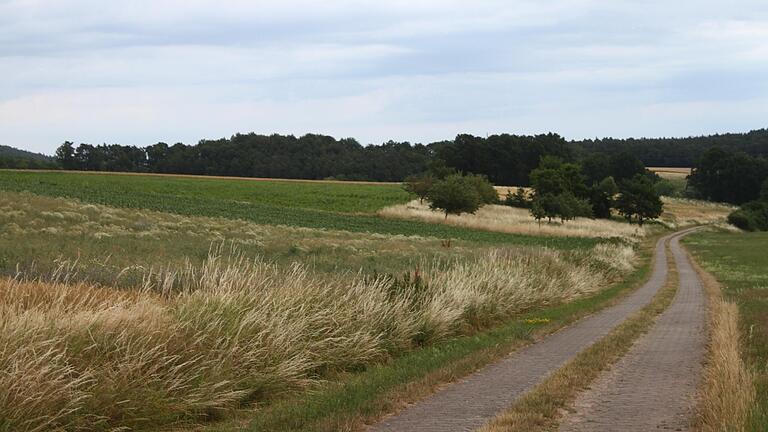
x=503, y=159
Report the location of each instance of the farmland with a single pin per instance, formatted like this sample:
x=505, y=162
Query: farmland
x=260, y=202
x=149, y=318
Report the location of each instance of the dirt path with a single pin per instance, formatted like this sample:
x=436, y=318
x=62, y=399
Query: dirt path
x=653, y=386
x=471, y=402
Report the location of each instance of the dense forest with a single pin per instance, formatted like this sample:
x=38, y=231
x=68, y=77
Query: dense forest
x=679, y=152
x=505, y=159
x=11, y=157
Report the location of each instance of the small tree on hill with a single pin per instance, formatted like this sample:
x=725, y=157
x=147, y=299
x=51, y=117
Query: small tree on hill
x=454, y=195
x=419, y=185
x=518, y=199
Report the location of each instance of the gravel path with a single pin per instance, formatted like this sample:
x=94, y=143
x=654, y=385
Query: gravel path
x=653, y=386
x=471, y=402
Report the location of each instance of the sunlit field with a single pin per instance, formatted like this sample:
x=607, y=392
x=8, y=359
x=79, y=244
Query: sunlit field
x=513, y=220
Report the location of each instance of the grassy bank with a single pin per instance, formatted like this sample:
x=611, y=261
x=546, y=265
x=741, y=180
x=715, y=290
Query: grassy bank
x=318, y=206
x=739, y=263
x=352, y=401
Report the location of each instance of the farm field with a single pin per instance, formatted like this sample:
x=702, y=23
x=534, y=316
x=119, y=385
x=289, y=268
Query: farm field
x=152, y=318
x=739, y=263
x=263, y=203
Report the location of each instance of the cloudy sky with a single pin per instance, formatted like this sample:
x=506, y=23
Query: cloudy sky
x=143, y=71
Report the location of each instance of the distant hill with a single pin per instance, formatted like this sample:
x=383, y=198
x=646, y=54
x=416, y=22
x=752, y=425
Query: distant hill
x=11, y=157
x=14, y=153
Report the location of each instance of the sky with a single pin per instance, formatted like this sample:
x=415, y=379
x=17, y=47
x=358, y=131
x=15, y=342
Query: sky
x=143, y=71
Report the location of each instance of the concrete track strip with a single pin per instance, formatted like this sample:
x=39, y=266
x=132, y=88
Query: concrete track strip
x=653, y=386
x=472, y=401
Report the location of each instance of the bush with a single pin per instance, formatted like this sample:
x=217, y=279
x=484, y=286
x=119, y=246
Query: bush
x=752, y=216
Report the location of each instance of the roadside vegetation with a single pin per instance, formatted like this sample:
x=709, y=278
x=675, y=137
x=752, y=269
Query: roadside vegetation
x=196, y=341
x=542, y=408
x=738, y=262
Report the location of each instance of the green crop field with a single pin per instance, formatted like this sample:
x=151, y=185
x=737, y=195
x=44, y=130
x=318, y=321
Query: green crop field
x=334, y=206
x=739, y=262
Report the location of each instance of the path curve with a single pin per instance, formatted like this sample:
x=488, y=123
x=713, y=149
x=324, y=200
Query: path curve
x=472, y=401
x=653, y=386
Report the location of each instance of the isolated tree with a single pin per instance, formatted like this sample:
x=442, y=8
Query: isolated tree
x=638, y=198
x=419, y=185
x=454, y=195
x=65, y=155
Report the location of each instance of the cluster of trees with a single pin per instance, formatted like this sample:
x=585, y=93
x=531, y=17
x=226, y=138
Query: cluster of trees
x=725, y=176
x=679, y=152
x=565, y=190
x=451, y=192
x=251, y=155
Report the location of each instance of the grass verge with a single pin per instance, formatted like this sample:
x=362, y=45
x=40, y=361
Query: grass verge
x=541, y=408
x=739, y=262
x=352, y=401
x=728, y=390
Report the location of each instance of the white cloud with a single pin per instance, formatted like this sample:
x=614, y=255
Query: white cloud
x=142, y=71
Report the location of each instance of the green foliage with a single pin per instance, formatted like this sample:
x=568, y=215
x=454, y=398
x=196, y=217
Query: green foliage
x=518, y=199
x=299, y=204
x=725, y=176
x=484, y=188
x=455, y=195
x=419, y=185
x=752, y=216
x=553, y=176
x=602, y=197
x=639, y=199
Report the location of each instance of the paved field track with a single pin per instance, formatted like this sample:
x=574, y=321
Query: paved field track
x=471, y=402
x=653, y=386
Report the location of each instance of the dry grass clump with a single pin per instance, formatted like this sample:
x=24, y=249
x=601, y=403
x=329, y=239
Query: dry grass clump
x=198, y=340
x=728, y=391
x=516, y=221
x=679, y=212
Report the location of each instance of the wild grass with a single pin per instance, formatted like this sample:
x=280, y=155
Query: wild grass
x=738, y=261
x=680, y=212
x=513, y=220
x=37, y=232
x=196, y=341
x=728, y=391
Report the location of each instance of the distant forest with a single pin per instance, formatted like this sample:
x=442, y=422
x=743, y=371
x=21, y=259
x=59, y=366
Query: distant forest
x=506, y=159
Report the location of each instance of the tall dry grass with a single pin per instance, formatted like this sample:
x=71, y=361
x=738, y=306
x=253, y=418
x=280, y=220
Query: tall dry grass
x=198, y=340
x=728, y=390
x=516, y=221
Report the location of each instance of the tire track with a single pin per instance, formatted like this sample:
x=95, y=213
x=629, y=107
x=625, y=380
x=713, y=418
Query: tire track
x=654, y=385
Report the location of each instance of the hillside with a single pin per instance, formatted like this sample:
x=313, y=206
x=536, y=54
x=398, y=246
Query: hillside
x=14, y=153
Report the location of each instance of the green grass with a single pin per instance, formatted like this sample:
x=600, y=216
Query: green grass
x=308, y=205
x=740, y=263
x=347, y=404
